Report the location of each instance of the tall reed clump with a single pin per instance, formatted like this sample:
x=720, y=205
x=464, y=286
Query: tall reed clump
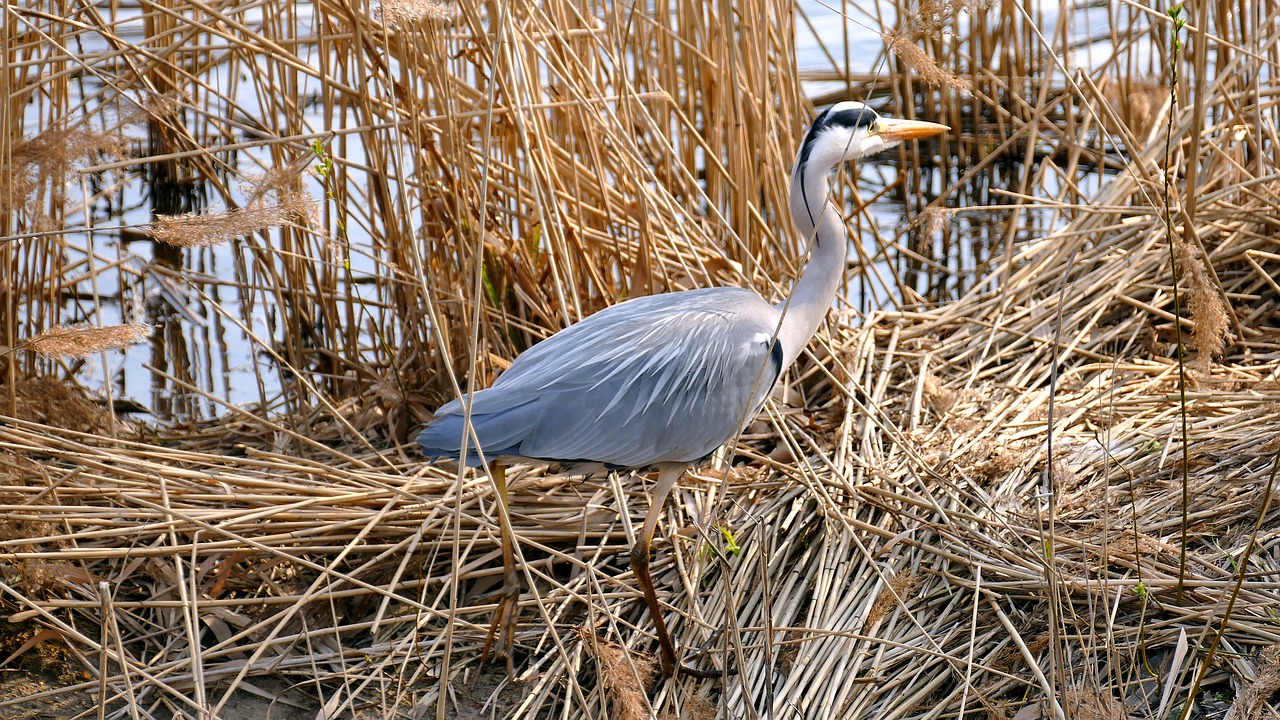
x=535, y=165
x=485, y=181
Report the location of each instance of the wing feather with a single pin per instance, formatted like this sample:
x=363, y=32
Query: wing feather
x=664, y=378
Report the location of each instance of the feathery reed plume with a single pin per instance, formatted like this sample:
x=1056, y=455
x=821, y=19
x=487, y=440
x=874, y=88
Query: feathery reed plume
x=1251, y=703
x=1093, y=705
x=899, y=587
x=63, y=341
x=932, y=16
x=925, y=67
x=929, y=223
x=1212, y=330
x=400, y=13
x=1136, y=101
x=624, y=674
x=49, y=156
x=60, y=147
x=932, y=220
x=284, y=184
x=940, y=397
x=700, y=708
x=196, y=230
x=16, y=185
x=154, y=106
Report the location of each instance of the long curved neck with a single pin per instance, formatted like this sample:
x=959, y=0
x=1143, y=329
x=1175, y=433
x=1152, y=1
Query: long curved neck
x=820, y=226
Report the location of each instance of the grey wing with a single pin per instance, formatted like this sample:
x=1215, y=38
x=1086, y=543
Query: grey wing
x=666, y=378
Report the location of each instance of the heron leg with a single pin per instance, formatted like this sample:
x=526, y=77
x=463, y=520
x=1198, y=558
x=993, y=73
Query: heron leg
x=667, y=477
x=503, y=626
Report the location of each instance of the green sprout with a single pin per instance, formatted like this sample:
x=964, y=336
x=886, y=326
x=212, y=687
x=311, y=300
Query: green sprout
x=730, y=542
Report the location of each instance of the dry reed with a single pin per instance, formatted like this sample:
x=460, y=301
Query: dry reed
x=491, y=176
x=1252, y=703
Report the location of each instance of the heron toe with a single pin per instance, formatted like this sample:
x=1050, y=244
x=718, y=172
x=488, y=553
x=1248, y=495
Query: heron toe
x=499, y=642
x=687, y=669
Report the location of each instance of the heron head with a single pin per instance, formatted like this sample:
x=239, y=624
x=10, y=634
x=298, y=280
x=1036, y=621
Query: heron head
x=851, y=130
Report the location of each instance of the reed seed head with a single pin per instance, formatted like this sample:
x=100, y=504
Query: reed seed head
x=626, y=675
x=1252, y=703
x=928, y=70
x=1093, y=705
x=900, y=586
x=195, y=230
x=292, y=204
x=1212, y=330
x=83, y=340
x=49, y=156
x=402, y=13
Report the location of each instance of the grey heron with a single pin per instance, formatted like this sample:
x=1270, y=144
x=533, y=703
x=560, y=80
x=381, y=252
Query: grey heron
x=662, y=381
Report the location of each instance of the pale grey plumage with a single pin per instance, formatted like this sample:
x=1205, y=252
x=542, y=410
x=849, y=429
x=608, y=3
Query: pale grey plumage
x=662, y=378
x=671, y=377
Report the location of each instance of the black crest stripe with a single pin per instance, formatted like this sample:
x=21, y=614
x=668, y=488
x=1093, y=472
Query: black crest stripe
x=853, y=118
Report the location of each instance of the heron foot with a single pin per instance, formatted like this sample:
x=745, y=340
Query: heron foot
x=669, y=665
x=686, y=668
x=503, y=627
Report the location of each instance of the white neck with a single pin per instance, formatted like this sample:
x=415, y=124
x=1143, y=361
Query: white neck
x=820, y=226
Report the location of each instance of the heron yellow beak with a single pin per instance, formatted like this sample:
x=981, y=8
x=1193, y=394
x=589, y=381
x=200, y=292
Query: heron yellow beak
x=896, y=130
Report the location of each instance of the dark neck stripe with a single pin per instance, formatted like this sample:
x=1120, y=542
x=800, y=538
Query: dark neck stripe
x=806, y=148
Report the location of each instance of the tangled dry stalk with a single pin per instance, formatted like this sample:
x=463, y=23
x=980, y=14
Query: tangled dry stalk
x=967, y=500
